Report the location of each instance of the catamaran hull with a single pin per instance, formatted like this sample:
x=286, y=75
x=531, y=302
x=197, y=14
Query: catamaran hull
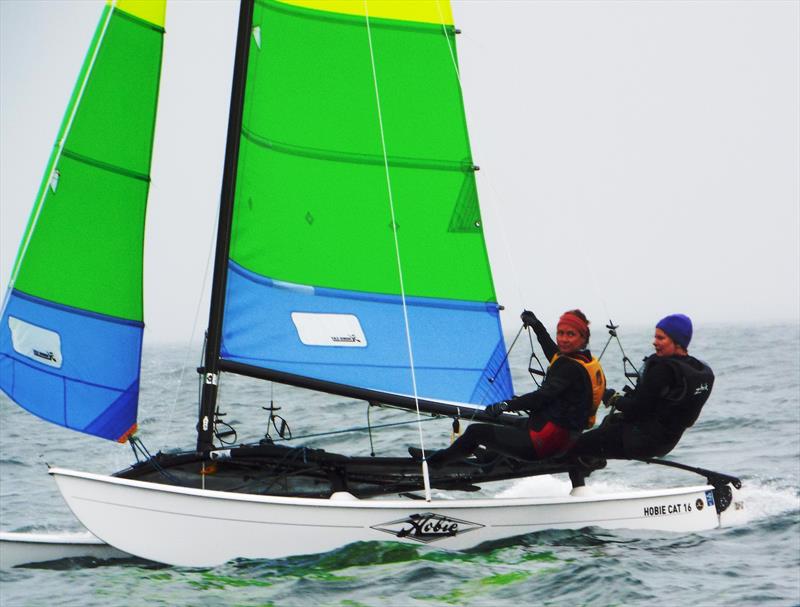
x=192, y=527
x=28, y=548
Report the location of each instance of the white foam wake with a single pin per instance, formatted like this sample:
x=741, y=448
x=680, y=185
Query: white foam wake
x=762, y=499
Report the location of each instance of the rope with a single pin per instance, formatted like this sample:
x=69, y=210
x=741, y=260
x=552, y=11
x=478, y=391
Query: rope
x=531, y=371
x=169, y=422
x=369, y=425
x=139, y=448
x=397, y=247
x=358, y=429
x=505, y=358
x=612, y=332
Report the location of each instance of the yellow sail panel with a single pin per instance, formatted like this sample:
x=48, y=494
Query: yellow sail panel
x=423, y=11
x=152, y=11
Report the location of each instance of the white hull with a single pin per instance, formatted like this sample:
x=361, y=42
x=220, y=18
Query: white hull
x=27, y=548
x=193, y=527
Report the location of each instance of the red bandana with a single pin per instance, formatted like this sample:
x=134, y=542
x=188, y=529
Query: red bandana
x=576, y=322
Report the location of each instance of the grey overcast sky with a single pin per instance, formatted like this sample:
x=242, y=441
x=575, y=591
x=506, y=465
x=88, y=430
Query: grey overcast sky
x=637, y=158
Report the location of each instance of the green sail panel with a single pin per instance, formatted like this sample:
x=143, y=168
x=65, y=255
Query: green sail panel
x=86, y=248
x=312, y=168
x=72, y=322
x=357, y=254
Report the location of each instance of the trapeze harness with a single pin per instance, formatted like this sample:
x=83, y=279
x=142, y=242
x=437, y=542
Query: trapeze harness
x=552, y=439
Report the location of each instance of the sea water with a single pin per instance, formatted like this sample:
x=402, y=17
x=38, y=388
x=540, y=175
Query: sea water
x=750, y=428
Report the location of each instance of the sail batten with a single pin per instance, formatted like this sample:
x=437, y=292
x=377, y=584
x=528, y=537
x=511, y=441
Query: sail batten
x=106, y=166
x=417, y=15
x=77, y=311
x=462, y=166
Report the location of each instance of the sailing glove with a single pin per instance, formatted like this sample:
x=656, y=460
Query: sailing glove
x=528, y=318
x=610, y=397
x=497, y=409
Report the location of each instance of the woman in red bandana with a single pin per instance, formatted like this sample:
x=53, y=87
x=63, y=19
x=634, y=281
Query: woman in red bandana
x=559, y=410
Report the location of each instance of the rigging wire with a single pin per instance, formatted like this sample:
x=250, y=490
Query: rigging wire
x=369, y=426
x=626, y=362
x=272, y=421
x=139, y=448
x=501, y=224
x=360, y=429
x=497, y=219
x=505, y=358
x=492, y=210
x=397, y=248
x=534, y=372
x=189, y=349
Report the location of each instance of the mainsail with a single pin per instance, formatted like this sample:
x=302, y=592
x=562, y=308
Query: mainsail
x=71, y=329
x=356, y=242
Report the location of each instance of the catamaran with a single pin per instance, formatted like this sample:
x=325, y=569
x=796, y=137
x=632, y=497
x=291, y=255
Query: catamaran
x=350, y=243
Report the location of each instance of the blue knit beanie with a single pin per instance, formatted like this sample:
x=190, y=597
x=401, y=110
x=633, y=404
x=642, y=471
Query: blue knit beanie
x=678, y=327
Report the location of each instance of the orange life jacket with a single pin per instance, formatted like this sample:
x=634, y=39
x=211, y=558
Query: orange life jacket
x=597, y=381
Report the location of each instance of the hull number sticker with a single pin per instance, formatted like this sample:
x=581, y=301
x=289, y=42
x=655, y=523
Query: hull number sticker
x=676, y=508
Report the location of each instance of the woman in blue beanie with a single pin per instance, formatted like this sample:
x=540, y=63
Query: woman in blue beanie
x=668, y=397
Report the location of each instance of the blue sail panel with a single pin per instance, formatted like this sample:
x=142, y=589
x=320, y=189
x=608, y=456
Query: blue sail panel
x=49, y=357
x=359, y=339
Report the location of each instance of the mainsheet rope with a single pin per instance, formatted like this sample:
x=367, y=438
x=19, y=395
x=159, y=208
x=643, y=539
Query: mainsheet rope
x=425, y=475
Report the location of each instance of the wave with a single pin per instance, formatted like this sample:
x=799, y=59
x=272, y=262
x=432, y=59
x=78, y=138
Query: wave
x=763, y=499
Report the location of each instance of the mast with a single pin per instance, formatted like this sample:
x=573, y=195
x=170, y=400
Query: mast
x=208, y=398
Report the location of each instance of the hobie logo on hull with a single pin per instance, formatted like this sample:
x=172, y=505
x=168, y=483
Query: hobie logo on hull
x=427, y=527
x=315, y=329
x=36, y=343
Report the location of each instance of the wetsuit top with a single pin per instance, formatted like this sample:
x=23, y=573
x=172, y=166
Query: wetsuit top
x=669, y=395
x=565, y=396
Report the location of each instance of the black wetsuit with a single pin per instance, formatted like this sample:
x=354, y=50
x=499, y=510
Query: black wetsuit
x=565, y=396
x=564, y=399
x=667, y=400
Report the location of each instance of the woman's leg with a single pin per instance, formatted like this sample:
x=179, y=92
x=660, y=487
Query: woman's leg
x=513, y=442
x=605, y=441
x=640, y=443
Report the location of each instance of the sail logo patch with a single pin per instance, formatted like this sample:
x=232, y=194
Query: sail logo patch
x=315, y=329
x=427, y=527
x=36, y=343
